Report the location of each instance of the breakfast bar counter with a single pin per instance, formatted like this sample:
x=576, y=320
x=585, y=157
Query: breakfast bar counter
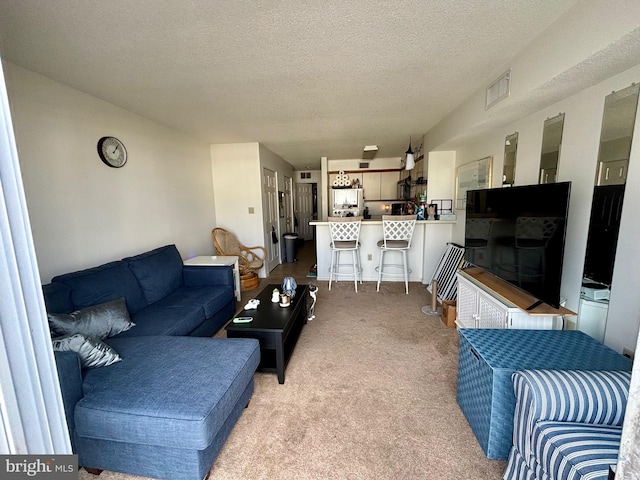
x=429, y=242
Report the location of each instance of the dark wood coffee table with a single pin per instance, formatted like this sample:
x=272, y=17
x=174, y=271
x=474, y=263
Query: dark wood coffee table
x=277, y=328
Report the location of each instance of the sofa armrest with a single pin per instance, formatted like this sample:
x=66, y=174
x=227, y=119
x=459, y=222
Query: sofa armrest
x=70, y=378
x=594, y=397
x=207, y=276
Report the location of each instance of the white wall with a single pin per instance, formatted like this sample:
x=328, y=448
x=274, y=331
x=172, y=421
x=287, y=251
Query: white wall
x=315, y=176
x=590, y=43
x=323, y=197
x=578, y=157
x=274, y=162
x=237, y=186
x=390, y=163
x=441, y=175
x=283, y=169
x=237, y=183
x=564, y=70
x=84, y=213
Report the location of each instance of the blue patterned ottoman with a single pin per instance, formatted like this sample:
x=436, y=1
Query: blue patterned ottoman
x=488, y=357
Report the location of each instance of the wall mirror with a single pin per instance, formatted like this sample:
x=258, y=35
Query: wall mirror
x=618, y=121
x=551, y=143
x=509, y=166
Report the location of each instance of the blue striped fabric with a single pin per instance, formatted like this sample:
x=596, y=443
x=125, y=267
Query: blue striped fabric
x=517, y=469
x=551, y=401
x=573, y=451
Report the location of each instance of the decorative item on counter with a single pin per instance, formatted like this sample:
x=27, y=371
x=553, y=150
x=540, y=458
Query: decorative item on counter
x=285, y=300
x=289, y=286
x=342, y=180
x=444, y=209
x=422, y=206
x=432, y=212
x=275, y=295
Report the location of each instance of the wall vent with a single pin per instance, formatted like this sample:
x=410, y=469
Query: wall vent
x=499, y=89
x=363, y=165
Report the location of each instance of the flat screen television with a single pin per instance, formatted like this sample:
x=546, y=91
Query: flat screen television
x=518, y=234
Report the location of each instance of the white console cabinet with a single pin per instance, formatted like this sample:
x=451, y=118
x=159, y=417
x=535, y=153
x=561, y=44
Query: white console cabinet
x=485, y=301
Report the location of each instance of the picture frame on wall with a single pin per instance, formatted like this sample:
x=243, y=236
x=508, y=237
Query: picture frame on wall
x=472, y=176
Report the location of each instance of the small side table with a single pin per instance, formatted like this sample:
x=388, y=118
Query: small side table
x=219, y=261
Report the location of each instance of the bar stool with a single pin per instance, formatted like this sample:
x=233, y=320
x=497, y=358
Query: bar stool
x=345, y=237
x=397, y=233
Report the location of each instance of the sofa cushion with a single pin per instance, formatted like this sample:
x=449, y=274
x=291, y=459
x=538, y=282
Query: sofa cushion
x=159, y=271
x=167, y=391
x=102, y=321
x=571, y=451
x=101, y=284
x=165, y=320
x=57, y=297
x=210, y=299
x=92, y=351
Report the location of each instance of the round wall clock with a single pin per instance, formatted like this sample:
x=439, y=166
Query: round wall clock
x=112, y=152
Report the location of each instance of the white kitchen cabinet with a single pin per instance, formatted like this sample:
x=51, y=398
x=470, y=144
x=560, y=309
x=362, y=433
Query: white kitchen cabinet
x=382, y=185
x=478, y=306
x=371, y=185
x=389, y=185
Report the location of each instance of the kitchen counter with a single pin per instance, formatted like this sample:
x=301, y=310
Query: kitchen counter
x=429, y=241
x=378, y=221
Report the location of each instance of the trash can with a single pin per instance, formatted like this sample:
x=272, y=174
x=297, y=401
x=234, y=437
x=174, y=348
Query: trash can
x=290, y=245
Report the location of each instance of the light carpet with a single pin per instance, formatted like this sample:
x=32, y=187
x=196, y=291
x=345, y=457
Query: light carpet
x=369, y=393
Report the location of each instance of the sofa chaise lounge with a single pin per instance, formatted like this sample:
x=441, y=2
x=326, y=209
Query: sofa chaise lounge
x=165, y=409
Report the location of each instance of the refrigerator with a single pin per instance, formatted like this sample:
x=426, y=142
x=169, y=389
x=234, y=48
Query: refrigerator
x=347, y=202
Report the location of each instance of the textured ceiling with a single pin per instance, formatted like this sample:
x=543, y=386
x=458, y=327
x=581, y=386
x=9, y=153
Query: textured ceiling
x=305, y=78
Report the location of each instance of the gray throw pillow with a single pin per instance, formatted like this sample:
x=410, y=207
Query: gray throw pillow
x=102, y=321
x=93, y=352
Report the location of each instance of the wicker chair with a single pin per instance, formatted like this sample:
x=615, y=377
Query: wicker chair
x=250, y=259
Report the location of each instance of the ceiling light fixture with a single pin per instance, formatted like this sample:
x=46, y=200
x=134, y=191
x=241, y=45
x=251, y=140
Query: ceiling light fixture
x=410, y=159
x=369, y=152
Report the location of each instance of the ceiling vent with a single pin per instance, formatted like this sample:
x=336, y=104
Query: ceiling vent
x=369, y=152
x=498, y=90
x=363, y=165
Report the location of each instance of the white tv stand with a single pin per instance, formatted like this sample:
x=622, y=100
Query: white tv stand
x=486, y=301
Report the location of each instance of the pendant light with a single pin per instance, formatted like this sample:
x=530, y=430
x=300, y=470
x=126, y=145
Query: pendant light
x=410, y=159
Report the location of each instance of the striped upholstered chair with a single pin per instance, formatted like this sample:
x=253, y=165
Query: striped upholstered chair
x=567, y=424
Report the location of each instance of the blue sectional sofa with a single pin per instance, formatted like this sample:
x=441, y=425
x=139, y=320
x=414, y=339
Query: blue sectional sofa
x=567, y=424
x=165, y=409
x=163, y=296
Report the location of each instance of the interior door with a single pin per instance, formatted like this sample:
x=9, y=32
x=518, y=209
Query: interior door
x=271, y=227
x=304, y=210
x=288, y=205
